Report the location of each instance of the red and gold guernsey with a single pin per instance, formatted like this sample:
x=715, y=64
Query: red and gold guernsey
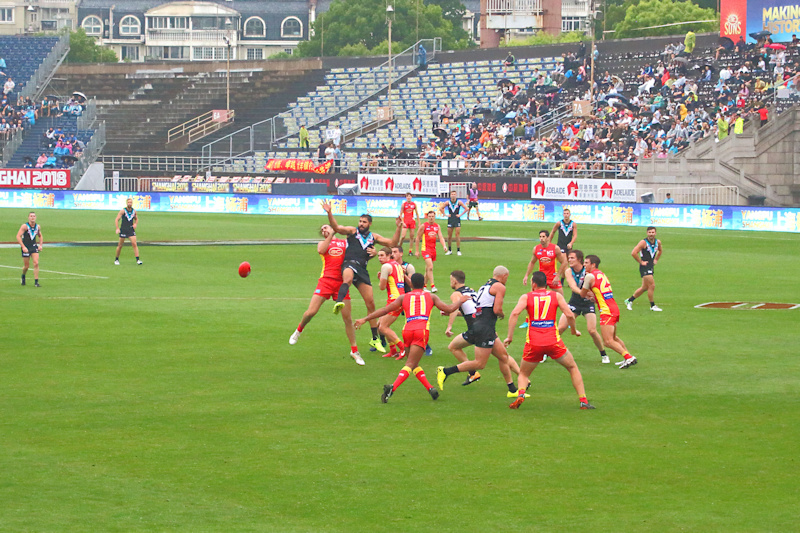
x=395, y=283
x=542, y=309
x=408, y=212
x=431, y=233
x=417, y=306
x=604, y=295
x=547, y=259
x=332, y=260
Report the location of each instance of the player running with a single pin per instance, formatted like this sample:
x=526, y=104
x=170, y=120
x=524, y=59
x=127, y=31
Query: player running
x=581, y=306
x=125, y=226
x=473, y=201
x=488, y=308
x=31, y=242
x=454, y=208
x=543, y=339
x=546, y=253
x=567, y=232
x=596, y=283
x=393, y=281
x=432, y=232
x=409, y=270
x=360, y=249
x=332, y=252
x=647, y=253
x=410, y=215
x=467, y=310
x=417, y=306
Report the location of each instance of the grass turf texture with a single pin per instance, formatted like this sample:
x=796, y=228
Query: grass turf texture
x=166, y=397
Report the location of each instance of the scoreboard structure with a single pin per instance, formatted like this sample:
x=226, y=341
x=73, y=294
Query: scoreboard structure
x=743, y=17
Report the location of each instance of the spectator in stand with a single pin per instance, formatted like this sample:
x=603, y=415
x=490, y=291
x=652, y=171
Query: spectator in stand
x=763, y=114
x=303, y=134
x=5, y=129
x=41, y=161
x=337, y=159
x=738, y=124
x=435, y=117
x=509, y=61
x=420, y=144
x=669, y=199
x=8, y=87
x=321, y=152
x=330, y=153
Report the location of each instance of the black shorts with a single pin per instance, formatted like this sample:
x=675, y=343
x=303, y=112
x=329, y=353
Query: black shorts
x=360, y=274
x=583, y=308
x=126, y=233
x=454, y=222
x=472, y=203
x=34, y=250
x=480, y=336
x=646, y=270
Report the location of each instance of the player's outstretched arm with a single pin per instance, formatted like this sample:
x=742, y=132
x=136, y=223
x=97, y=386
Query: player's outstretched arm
x=394, y=306
x=324, y=244
x=562, y=304
x=512, y=320
x=342, y=230
x=453, y=305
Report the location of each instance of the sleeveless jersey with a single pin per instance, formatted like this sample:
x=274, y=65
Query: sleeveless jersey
x=30, y=234
x=395, y=283
x=484, y=303
x=547, y=258
x=578, y=277
x=473, y=195
x=604, y=295
x=126, y=222
x=430, y=233
x=542, y=308
x=453, y=209
x=408, y=211
x=565, y=232
x=417, y=306
x=648, y=253
x=357, y=245
x=332, y=260
x=468, y=307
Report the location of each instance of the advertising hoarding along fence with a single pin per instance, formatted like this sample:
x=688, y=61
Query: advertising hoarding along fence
x=41, y=178
x=425, y=185
x=590, y=190
x=545, y=211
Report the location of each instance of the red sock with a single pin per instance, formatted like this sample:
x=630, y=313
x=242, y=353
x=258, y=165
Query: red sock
x=400, y=347
x=420, y=374
x=353, y=349
x=583, y=399
x=393, y=349
x=300, y=327
x=401, y=377
x=626, y=355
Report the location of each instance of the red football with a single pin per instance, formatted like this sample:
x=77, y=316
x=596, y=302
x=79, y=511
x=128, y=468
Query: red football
x=244, y=269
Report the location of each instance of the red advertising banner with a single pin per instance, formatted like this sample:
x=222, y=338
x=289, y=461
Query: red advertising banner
x=298, y=165
x=34, y=178
x=733, y=19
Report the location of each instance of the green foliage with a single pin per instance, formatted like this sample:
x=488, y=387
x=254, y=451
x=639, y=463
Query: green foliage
x=84, y=49
x=280, y=55
x=359, y=26
x=545, y=38
x=657, y=12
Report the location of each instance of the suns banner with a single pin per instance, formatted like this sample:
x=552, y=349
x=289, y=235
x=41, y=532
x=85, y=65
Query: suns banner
x=298, y=165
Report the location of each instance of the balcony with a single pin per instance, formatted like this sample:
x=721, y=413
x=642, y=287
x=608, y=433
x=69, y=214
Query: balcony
x=513, y=14
x=575, y=9
x=190, y=37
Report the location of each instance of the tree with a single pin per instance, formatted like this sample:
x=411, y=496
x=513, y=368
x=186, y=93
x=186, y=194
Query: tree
x=84, y=49
x=545, y=38
x=353, y=23
x=454, y=11
x=658, y=12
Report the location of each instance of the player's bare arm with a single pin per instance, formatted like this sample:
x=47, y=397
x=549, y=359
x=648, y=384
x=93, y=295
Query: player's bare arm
x=324, y=244
x=498, y=290
x=455, y=297
x=41, y=239
x=571, y=243
x=464, y=211
x=19, y=237
x=553, y=233
x=395, y=238
x=453, y=305
x=135, y=221
x=562, y=304
x=531, y=266
x=416, y=243
x=588, y=283
x=441, y=240
x=658, y=253
x=394, y=306
x=342, y=230
x=384, y=276
x=522, y=303
x=635, y=252
x=572, y=285
x=116, y=220
x=561, y=257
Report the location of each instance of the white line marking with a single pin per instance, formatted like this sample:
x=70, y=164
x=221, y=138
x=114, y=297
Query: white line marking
x=739, y=305
x=57, y=272
x=756, y=306
x=232, y=298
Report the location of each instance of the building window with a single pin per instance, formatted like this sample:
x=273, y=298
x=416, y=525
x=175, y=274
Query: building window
x=7, y=14
x=254, y=27
x=209, y=53
x=571, y=24
x=289, y=51
x=291, y=27
x=129, y=26
x=255, y=53
x=172, y=23
x=130, y=53
x=92, y=25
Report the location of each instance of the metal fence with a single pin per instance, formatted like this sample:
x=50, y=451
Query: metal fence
x=263, y=135
x=705, y=195
x=11, y=145
x=161, y=163
x=46, y=68
x=90, y=153
x=88, y=115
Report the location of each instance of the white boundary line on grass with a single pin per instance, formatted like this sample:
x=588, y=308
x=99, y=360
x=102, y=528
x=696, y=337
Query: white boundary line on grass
x=58, y=272
x=233, y=298
x=756, y=306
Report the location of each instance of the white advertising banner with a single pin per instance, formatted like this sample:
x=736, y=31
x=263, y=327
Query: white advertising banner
x=590, y=190
x=424, y=185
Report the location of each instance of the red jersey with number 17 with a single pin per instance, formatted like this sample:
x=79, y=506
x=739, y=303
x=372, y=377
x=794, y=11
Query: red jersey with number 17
x=417, y=306
x=408, y=212
x=547, y=258
x=332, y=260
x=542, y=308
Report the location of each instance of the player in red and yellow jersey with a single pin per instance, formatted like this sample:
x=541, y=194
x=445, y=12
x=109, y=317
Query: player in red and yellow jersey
x=410, y=214
x=332, y=252
x=431, y=232
x=543, y=338
x=393, y=281
x=547, y=253
x=597, y=284
x=417, y=306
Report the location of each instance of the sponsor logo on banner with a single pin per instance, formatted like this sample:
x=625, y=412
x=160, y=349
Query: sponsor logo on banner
x=383, y=207
x=298, y=165
x=210, y=187
x=90, y=200
x=665, y=216
x=185, y=203
x=596, y=190
x=44, y=199
x=712, y=218
x=252, y=188
x=425, y=185
x=34, y=178
x=236, y=204
x=169, y=186
x=534, y=213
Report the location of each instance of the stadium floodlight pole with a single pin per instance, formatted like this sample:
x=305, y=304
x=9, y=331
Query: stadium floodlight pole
x=389, y=13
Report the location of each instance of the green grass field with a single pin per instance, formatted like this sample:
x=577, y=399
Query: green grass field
x=166, y=397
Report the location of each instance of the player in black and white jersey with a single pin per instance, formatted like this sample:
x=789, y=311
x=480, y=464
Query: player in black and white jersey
x=574, y=276
x=454, y=209
x=488, y=307
x=125, y=225
x=565, y=232
x=31, y=242
x=360, y=249
x=647, y=252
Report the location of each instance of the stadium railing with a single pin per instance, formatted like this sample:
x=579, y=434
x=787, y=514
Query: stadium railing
x=46, y=69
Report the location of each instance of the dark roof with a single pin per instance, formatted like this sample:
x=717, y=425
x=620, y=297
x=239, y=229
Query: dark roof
x=245, y=7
